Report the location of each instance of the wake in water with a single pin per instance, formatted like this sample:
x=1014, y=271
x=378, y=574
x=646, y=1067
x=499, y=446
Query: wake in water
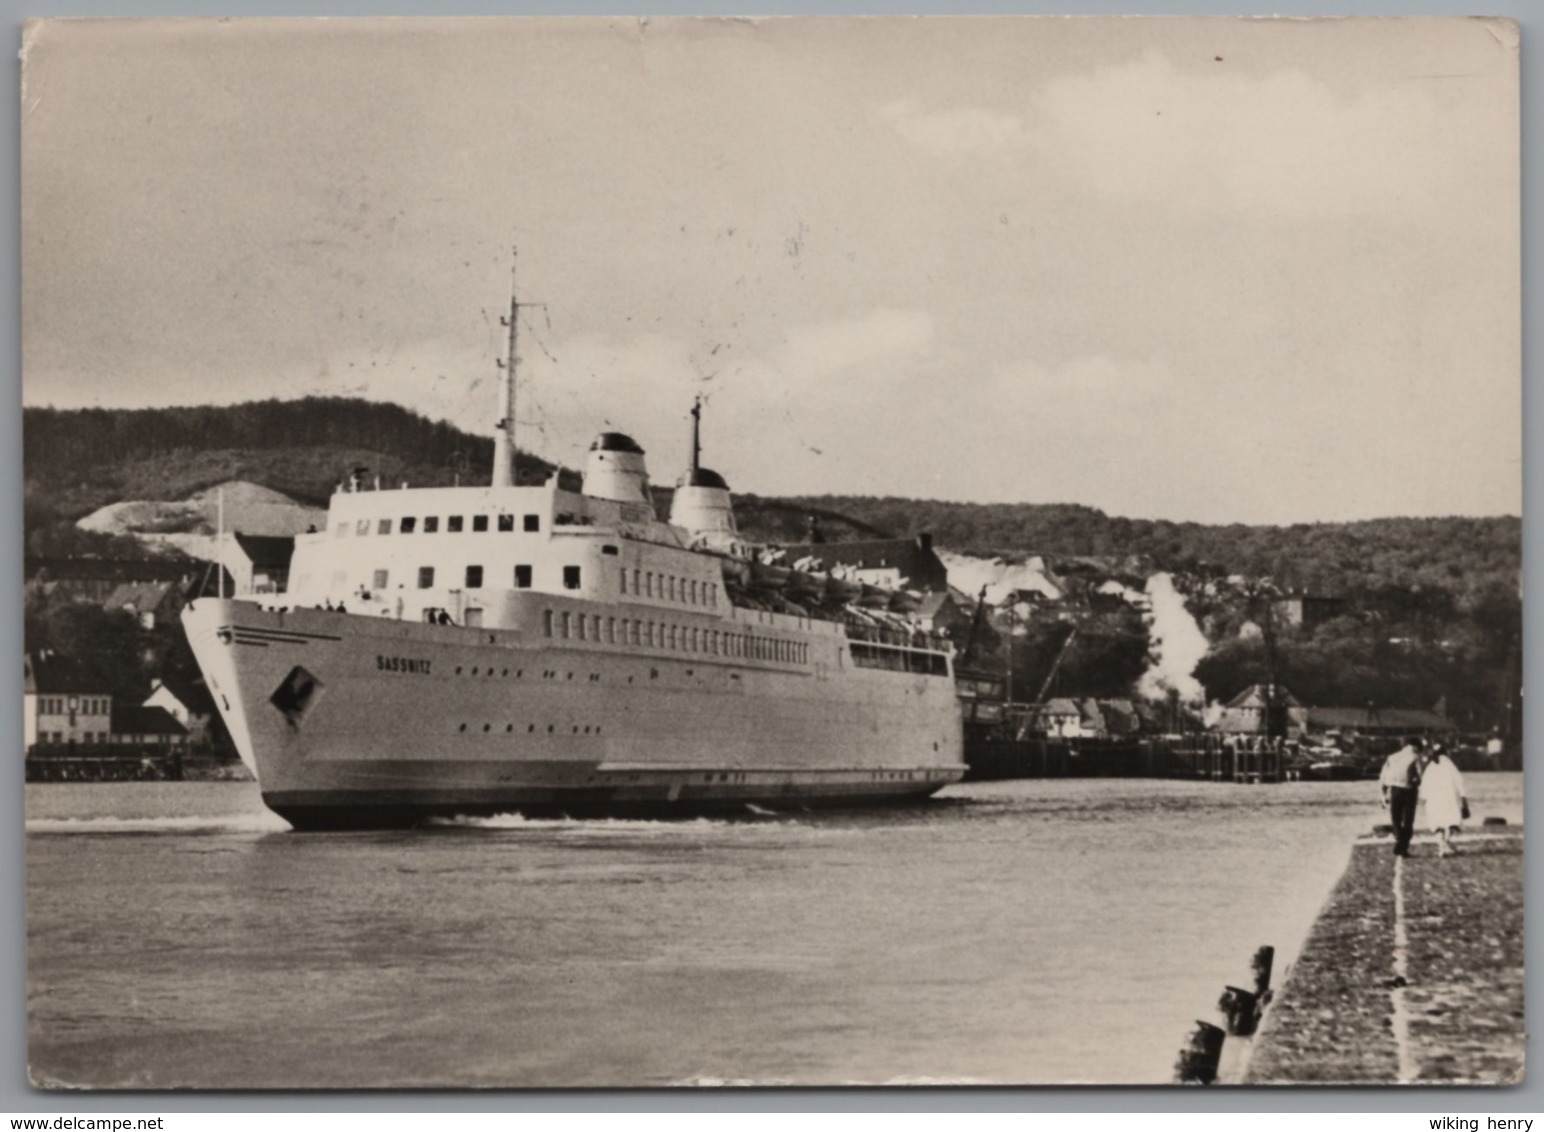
x=224, y=823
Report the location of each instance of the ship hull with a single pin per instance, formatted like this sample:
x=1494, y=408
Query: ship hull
x=356, y=722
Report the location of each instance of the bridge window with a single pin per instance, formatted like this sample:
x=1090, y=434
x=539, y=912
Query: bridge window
x=581, y=626
x=570, y=577
x=608, y=549
x=506, y=523
x=383, y=527
x=533, y=522
x=611, y=630
x=453, y=524
x=694, y=592
x=474, y=577
x=479, y=523
x=637, y=589
x=408, y=525
x=378, y=581
x=546, y=622
x=672, y=587
x=362, y=527
x=522, y=577
x=425, y=577
x=568, y=625
x=624, y=580
x=648, y=583
x=431, y=524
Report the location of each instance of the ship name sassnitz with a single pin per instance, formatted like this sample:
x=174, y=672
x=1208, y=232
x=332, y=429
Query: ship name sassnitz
x=414, y=665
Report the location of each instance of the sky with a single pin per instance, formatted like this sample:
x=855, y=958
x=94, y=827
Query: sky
x=1217, y=270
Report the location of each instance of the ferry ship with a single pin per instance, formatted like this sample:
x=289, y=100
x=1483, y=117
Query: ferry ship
x=477, y=650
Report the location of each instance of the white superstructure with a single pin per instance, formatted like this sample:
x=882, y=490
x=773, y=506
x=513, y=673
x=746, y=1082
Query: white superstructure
x=481, y=649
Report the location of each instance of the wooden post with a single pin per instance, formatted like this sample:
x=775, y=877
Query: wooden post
x=1197, y=1064
x=1261, y=964
x=1241, y=1008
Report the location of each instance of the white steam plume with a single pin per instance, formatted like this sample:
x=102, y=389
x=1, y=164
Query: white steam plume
x=1177, y=642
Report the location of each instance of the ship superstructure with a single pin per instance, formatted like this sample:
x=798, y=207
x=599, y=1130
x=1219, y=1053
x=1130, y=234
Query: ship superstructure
x=470, y=650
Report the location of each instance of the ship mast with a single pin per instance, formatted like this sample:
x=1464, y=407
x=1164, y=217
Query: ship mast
x=504, y=430
x=696, y=436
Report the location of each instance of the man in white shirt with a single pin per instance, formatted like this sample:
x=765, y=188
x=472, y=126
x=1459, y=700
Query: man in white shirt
x=1401, y=780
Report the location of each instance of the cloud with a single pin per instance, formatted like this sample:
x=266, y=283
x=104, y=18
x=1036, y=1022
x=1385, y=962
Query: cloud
x=1284, y=143
x=964, y=130
x=826, y=349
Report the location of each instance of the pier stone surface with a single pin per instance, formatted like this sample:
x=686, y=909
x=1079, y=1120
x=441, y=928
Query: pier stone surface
x=1334, y=1023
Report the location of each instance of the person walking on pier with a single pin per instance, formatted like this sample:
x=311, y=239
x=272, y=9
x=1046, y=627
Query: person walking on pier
x=1400, y=780
x=1442, y=789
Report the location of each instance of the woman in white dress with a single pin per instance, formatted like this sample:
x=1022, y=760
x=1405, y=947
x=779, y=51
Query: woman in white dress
x=1442, y=789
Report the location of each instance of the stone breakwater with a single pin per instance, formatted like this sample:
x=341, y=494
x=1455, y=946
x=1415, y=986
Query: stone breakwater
x=1413, y=973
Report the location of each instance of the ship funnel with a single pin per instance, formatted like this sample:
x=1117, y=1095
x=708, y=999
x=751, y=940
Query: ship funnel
x=702, y=503
x=616, y=470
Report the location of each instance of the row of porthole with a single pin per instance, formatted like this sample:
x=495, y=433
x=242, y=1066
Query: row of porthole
x=549, y=674
x=530, y=729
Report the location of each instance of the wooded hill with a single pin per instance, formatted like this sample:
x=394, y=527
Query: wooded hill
x=79, y=460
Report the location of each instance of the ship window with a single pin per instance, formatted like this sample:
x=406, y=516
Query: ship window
x=546, y=622
x=362, y=527
x=581, y=626
x=672, y=637
x=506, y=522
x=568, y=625
x=648, y=584
x=533, y=522
x=570, y=577
x=407, y=526
x=431, y=524
x=522, y=577
x=383, y=527
x=648, y=636
x=453, y=524
x=611, y=630
x=637, y=589
x=379, y=580
x=696, y=641
x=608, y=549
x=425, y=577
x=694, y=591
x=595, y=626
x=479, y=522
x=624, y=579
x=474, y=577
x=670, y=583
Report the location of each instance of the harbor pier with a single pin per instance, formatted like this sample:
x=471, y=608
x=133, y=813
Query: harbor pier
x=1412, y=974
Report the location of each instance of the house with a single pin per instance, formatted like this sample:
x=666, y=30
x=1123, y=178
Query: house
x=258, y=564
x=1308, y=611
x=942, y=611
x=189, y=704
x=1060, y=718
x=1245, y=713
x=1120, y=718
x=892, y=563
x=61, y=704
x=152, y=604
x=140, y=726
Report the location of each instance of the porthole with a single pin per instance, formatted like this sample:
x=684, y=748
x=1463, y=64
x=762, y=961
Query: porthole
x=474, y=672
x=458, y=670
x=506, y=672
x=463, y=727
x=508, y=728
x=576, y=729
x=487, y=727
x=549, y=729
x=570, y=675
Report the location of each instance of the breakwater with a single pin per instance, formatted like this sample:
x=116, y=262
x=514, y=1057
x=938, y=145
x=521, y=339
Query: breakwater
x=1412, y=974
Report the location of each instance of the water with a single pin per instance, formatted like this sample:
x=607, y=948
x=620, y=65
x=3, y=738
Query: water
x=1023, y=932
